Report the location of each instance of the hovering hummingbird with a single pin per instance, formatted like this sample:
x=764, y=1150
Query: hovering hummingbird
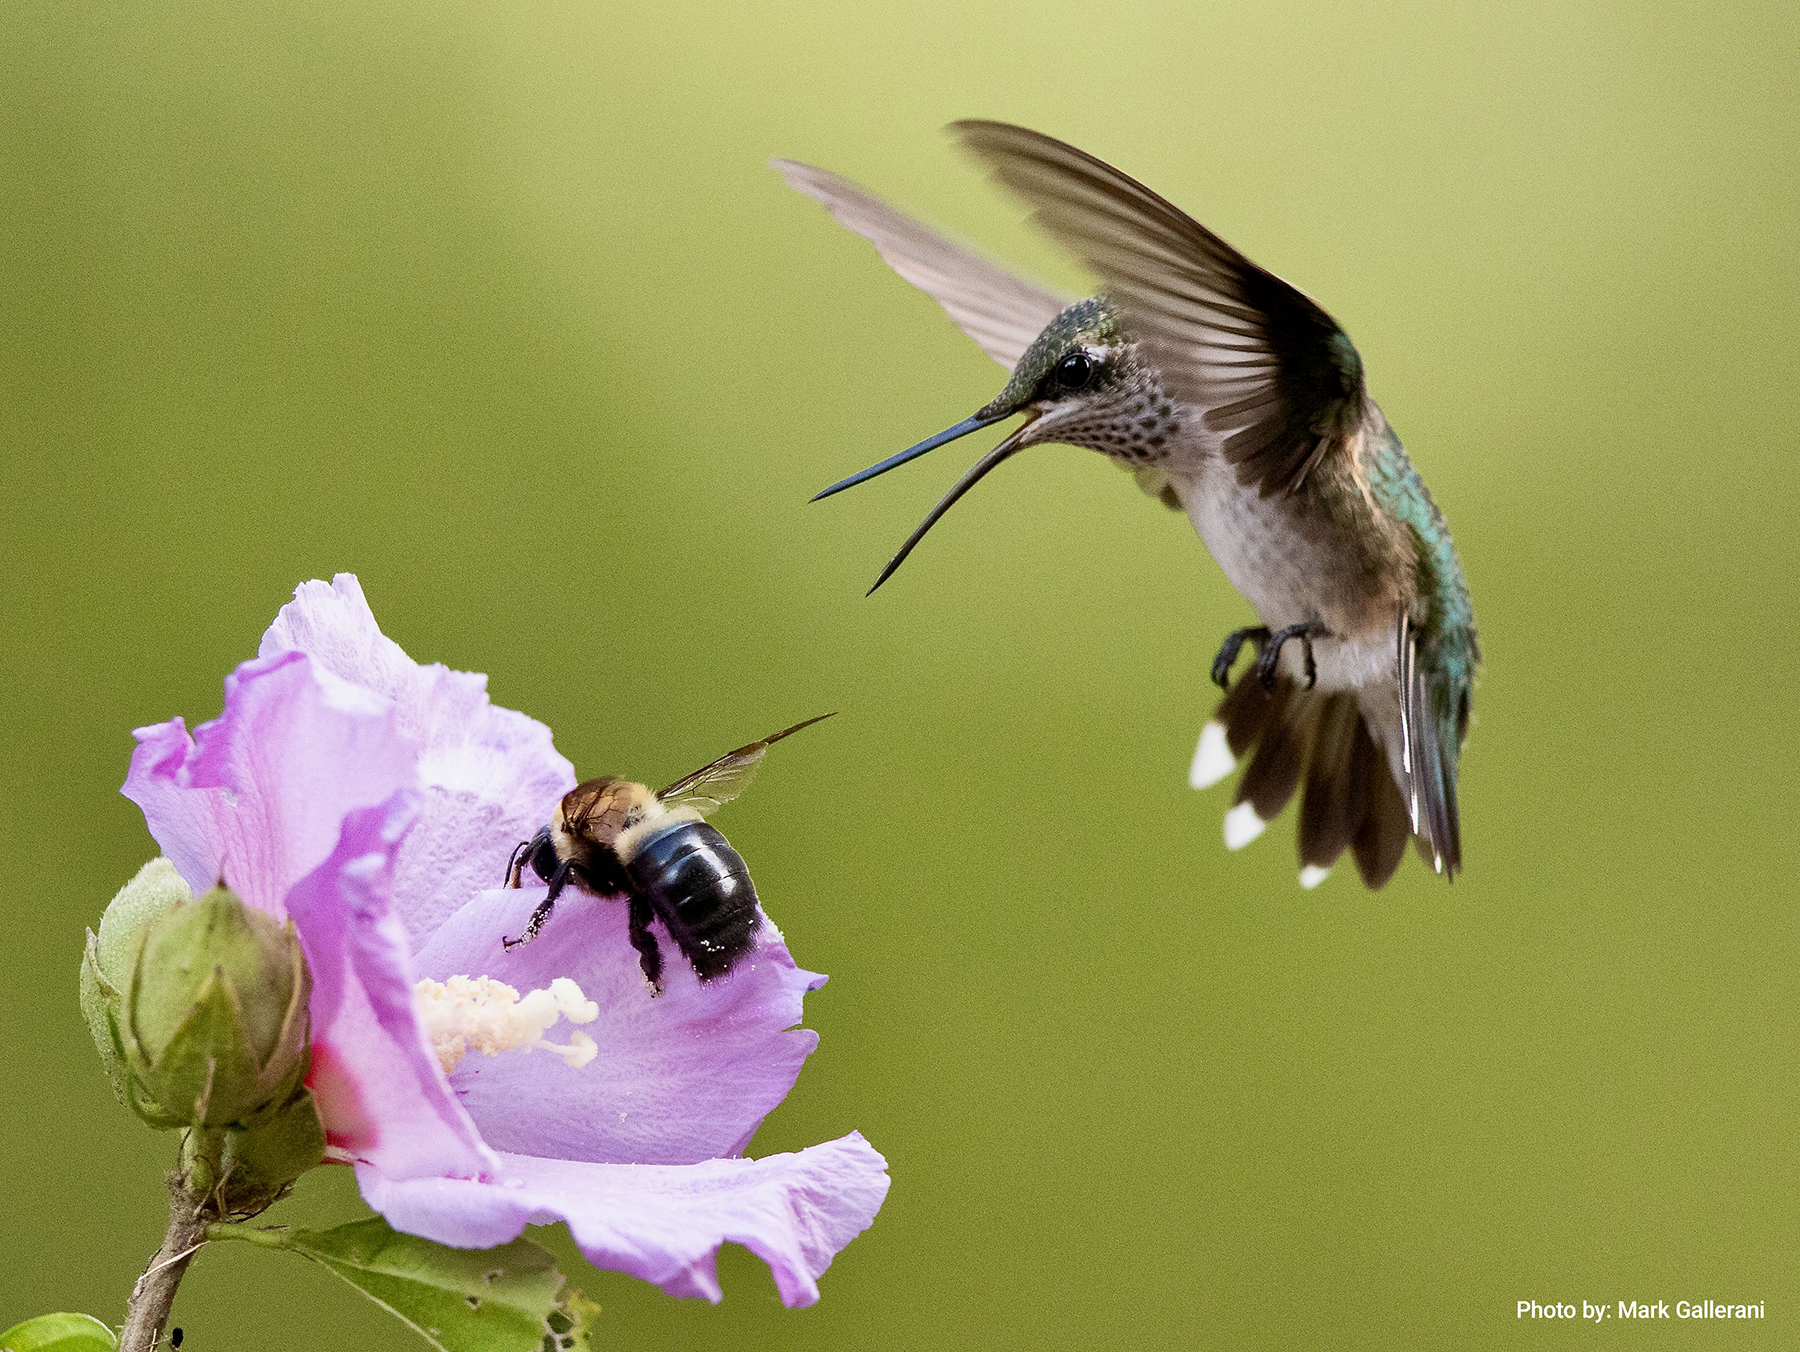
x=1233, y=398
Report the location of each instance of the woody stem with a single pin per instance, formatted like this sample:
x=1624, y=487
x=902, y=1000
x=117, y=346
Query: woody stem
x=154, y=1295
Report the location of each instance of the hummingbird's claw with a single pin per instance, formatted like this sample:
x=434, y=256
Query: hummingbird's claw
x=1270, y=658
x=1231, y=647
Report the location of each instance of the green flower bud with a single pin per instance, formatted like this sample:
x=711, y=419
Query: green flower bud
x=213, y=1025
x=154, y=890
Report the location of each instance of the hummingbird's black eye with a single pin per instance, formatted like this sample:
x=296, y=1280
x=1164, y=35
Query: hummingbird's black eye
x=1074, y=371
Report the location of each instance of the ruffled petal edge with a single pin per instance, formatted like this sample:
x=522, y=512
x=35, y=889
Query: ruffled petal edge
x=662, y=1223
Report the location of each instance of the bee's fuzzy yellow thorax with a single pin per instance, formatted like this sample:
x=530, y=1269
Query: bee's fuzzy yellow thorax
x=655, y=818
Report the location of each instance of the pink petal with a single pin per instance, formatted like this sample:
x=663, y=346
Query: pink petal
x=491, y=776
x=381, y=1092
x=659, y=1222
x=257, y=795
x=180, y=818
x=683, y=1077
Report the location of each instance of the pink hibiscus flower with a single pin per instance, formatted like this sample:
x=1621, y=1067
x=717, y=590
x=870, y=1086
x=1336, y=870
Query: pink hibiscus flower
x=376, y=801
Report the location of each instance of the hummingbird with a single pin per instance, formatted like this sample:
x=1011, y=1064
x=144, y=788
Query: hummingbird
x=1236, y=399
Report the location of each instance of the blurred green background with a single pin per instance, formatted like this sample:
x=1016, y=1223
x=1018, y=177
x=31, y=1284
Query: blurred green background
x=499, y=307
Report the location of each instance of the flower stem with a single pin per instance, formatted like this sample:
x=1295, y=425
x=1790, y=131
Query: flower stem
x=151, y=1299
x=272, y=1237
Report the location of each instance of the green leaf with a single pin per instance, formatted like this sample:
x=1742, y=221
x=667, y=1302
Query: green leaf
x=462, y=1300
x=571, y=1323
x=59, y=1333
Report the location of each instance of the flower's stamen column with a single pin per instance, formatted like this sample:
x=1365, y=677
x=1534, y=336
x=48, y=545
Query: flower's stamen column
x=480, y=1014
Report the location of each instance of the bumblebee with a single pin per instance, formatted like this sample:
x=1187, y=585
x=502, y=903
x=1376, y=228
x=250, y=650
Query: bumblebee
x=611, y=837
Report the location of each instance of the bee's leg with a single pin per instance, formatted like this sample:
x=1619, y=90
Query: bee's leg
x=515, y=866
x=1231, y=647
x=649, y=955
x=544, y=907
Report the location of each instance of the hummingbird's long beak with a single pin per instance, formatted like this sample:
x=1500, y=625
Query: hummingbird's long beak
x=949, y=434
x=1005, y=450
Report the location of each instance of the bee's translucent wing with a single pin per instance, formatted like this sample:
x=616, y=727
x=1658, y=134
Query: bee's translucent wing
x=998, y=310
x=713, y=785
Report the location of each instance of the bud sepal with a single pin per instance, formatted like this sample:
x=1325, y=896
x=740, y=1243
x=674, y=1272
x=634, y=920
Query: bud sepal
x=245, y=1172
x=107, y=958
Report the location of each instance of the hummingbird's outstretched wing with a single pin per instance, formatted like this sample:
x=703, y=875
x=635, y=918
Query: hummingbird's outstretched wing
x=1271, y=370
x=995, y=308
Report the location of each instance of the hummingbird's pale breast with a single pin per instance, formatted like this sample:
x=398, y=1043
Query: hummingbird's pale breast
x=1323, y=555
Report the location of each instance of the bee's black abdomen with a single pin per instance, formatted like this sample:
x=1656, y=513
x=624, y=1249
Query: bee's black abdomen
x=700, y=889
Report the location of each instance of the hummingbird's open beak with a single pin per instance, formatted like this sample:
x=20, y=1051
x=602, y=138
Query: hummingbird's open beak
x=944, y=438
x=1004, y=451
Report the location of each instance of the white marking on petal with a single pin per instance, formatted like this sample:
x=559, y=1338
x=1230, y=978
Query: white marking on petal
x=1212, y=758
x=1312, y=875
x=1242, y=826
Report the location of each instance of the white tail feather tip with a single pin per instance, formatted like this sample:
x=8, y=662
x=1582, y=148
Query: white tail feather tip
x=1212, y=758
x=1312, y=875
x=1242, y=826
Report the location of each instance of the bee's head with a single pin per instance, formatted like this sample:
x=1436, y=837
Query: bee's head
x=597, y=812
x=538, y=854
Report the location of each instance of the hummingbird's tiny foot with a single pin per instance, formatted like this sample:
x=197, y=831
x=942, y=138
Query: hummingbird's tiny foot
x=1231, y=647
x=1268, y=663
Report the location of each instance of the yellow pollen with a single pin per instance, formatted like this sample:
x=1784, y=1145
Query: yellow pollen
x=478, y=1014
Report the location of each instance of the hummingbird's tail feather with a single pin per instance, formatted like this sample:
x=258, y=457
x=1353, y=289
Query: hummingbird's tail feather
x=1255, y=718
x=1380, y=840
x=1331, y=808
x=1319, y=739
